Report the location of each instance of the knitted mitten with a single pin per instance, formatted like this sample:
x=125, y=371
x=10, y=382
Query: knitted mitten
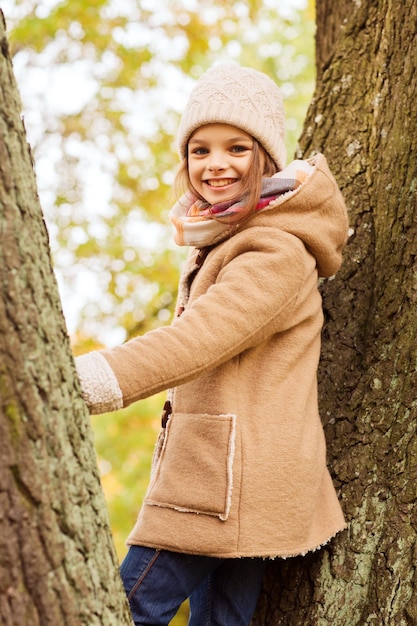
x=99, y=386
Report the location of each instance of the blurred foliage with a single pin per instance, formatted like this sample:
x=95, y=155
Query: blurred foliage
x=103, y=84
x=124, y=442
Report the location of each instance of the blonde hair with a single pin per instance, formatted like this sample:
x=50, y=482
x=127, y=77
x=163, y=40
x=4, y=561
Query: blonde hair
x=251, y=179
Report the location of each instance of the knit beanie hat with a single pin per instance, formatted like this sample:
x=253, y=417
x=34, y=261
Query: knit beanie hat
x=241, y=97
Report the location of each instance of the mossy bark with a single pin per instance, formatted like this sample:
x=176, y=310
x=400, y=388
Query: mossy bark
x=57, y=561
x=364, y=118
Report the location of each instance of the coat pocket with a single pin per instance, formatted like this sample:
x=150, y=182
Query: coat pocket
x=194, y=472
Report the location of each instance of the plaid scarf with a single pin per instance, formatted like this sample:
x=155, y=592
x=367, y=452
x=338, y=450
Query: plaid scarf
x=199, y=224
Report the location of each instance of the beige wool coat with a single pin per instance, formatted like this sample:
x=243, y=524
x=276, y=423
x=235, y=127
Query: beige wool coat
x=240, y=470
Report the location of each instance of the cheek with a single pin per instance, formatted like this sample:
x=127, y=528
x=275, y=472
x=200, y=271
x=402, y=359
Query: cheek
x=191, y=175
x=246, y=167
x=194, y=172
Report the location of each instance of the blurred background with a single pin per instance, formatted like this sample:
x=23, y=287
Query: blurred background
x=103, y=83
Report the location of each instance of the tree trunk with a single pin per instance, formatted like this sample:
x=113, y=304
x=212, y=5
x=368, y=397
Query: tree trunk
x=364, y=118
x=57, y=562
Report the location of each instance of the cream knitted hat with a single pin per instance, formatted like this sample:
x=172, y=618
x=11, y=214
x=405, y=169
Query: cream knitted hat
x=242, y=97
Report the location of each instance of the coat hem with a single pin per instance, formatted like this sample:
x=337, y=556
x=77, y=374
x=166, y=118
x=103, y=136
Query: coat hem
x=286, y=554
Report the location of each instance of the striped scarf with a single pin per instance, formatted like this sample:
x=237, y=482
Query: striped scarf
x=199, y=224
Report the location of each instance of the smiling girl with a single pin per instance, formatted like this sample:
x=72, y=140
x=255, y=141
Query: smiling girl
x=239, y=471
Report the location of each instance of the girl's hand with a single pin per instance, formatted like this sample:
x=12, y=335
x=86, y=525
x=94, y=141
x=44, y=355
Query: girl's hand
x=99, y=386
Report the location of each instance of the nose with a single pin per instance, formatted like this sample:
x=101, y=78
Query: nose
x=217, y=162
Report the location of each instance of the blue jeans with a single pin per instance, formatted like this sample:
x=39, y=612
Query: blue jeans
x=222, y=592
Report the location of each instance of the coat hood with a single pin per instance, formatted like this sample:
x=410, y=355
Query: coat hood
x=315, y=213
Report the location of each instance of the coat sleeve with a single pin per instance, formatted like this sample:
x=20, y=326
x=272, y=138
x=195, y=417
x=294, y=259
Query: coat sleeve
x=252, y=298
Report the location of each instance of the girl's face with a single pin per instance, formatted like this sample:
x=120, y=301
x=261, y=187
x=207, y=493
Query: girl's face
x=218, y=156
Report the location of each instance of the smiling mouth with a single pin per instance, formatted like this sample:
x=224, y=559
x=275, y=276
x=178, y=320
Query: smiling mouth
x=220, y=182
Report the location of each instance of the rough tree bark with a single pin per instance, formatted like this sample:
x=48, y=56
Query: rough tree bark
x=364, y=118
x=57, y=562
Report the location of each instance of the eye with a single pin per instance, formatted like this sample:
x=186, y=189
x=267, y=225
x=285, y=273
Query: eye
x=199, y=151
x=239, y=149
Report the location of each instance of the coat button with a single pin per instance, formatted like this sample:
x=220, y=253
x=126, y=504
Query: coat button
x=166, y=412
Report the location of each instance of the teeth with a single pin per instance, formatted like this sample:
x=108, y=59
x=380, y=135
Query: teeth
x=216, y=182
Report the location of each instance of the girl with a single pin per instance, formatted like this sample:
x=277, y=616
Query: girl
x=239, y=471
